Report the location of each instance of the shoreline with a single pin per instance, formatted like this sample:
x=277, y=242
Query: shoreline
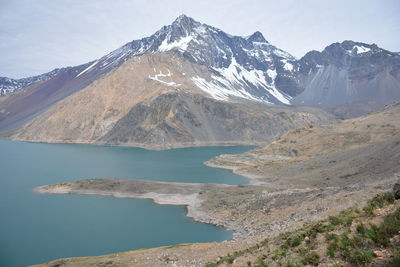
x=312, y=204
x=191, y=200
x=252, y=178
x=142, y=146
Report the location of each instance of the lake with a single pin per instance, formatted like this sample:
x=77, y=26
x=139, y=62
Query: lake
x=38, y=228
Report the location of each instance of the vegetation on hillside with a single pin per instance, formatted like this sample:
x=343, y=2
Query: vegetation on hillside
x=354, y=237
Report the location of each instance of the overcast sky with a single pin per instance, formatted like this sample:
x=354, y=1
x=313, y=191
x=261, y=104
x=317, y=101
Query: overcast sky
x=37, y=36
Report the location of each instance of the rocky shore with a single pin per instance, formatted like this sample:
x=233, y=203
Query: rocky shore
x=169, y=193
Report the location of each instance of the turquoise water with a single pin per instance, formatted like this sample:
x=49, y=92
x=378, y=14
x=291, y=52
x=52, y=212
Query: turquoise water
x=38, y=228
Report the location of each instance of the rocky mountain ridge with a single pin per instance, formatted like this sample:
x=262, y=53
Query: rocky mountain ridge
x=252, y=68
x=9, y=85
x=191, y=64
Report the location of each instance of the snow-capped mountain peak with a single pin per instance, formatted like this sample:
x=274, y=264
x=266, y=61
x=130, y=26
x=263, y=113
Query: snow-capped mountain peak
x=250, y=60
x=185, y=22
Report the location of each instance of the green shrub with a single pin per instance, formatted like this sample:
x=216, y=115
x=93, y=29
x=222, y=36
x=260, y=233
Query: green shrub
x=319, y=227
x=361, y=229
x=278, y=253
x=369, y=209
x=330, y=237
x=294, y=241
x=345, y=217
x=381, y=234
x=345, y=245
x=354, y=250
x=388, y=228
x=330, y=251
x=334, y=220
x=311, y=258
x=361, y=257
x=285, y=245
x=379, y=201
x=368, y=232
x=230, y=259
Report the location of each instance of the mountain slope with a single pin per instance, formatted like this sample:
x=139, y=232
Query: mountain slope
x=351, y=77
x=354, y=151
x=8, y=85
x=150, y=101
x=26, y=103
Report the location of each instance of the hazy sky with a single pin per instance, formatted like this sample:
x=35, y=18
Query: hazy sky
x=37, y=36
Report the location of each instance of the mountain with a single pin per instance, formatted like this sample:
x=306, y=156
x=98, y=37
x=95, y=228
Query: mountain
x=190, y=83
x=9, y=85
x=187, y=84
x=243, y=67
x=252, y=68
x=149, y=101
x=351, y=78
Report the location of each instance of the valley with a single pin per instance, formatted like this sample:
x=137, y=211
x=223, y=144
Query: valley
x=169, y=119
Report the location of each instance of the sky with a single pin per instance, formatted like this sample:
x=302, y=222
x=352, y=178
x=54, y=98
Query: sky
x=37, y=36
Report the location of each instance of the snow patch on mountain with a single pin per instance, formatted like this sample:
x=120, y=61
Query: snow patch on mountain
x=181, y=44
x=272, y=74
x=355, y=48
x=88, y=68
x=233, y=81
x=285, y=99
x=280, y=53
x=160, y=74
x=287, y=65
x=361, y=49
